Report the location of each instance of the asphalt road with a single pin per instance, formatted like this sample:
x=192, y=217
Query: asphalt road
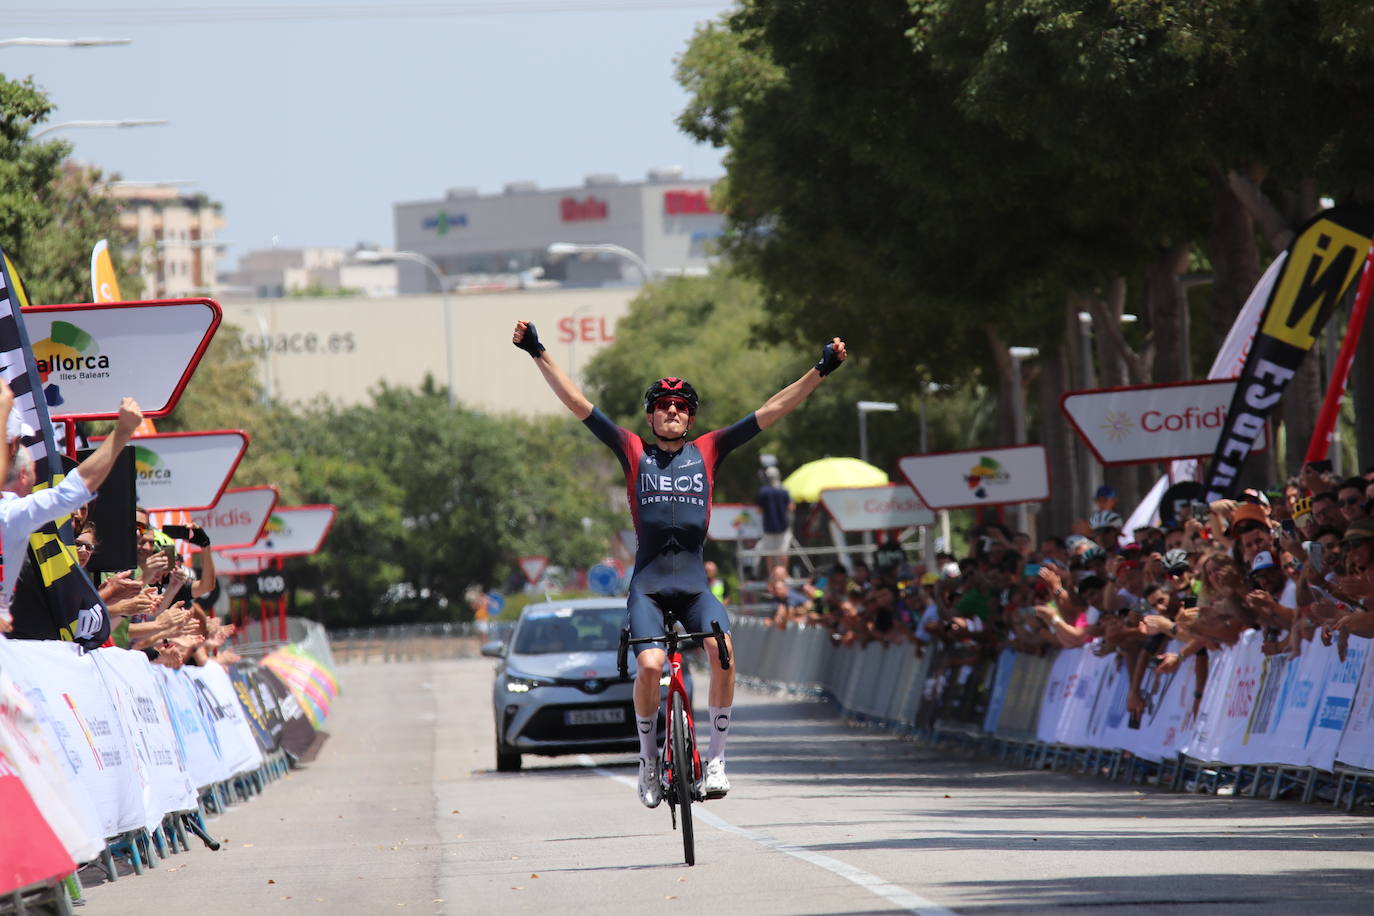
x=403, y=812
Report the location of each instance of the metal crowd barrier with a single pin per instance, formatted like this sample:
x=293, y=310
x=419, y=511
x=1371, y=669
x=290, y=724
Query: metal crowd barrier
x=405, y=642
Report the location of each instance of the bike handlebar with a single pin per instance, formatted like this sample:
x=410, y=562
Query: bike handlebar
x=672, y=639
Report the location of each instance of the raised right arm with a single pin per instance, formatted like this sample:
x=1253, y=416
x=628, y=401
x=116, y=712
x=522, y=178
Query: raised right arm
x=526, y=338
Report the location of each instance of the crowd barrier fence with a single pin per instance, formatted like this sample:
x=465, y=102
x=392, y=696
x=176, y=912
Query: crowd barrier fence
x=406, y=642
x=105, y=756
x=1264, y=725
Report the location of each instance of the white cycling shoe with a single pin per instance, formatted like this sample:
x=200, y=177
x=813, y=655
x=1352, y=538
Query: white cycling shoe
x=716, y=783
x=650, y=785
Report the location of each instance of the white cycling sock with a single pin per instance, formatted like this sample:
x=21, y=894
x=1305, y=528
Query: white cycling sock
x=720, y=730
x=648, y=735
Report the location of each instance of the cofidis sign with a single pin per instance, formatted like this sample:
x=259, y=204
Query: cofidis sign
x=1140, y=423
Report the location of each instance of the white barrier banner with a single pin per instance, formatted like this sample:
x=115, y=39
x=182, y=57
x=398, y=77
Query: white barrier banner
x=1334, y=701
x=46, y=775
x=143, y=711
x=85, y=728
x=1357, y=742
x=1167, y=721
x=895, y=505
x=1080, y=716
x=195, y=734
x=1219, y=694
x=237, y=744
x=1062, y=682
x=985, y=477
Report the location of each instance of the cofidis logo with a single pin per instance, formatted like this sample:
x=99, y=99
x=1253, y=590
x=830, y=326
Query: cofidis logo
x=69, y=354
x=985, y=473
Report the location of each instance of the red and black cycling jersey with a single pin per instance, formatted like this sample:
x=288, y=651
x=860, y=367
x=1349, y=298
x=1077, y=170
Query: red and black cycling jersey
x=670, y=492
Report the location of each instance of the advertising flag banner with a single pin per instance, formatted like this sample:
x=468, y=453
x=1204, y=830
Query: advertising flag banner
x=73, y=606
x=984, y=477
x=876, y=508
x=238, y=517
x=185, y=470
x=1322, y=262
x=90, y=355
x=293, y=531
x=1143, y=423
x=104, y=282
x=734, y=522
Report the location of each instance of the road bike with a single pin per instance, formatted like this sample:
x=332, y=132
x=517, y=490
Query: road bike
x=679, y=760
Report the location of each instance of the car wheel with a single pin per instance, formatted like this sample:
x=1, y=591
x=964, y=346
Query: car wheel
x=506, y=761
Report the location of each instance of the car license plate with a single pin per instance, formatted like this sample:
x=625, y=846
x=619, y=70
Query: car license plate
x=593, y=716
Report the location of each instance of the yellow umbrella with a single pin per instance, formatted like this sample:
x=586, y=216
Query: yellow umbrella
x=806, y=482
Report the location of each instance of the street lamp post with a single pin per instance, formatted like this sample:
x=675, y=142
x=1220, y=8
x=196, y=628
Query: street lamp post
x=62, y=42
x=865, y=408
x=120, y=122
x=1018, y=412
x=375, y=256
x=562, y=249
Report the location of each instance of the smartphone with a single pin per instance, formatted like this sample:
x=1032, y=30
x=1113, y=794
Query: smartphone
x=1315, y=553
x=1030, y=570
x=181, y=532
x=172, y=556
x=1201, y=510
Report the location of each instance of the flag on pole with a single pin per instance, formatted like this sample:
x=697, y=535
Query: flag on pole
x=1322, y=262
x=74, y=607
x=104, y=282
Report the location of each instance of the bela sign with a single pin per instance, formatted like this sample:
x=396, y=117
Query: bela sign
x=983, y=477
x=876, y=508
x=91, y=355
x=1143, y=423
x=185, y=470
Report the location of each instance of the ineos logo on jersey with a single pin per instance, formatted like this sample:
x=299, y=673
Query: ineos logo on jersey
x=663, y=483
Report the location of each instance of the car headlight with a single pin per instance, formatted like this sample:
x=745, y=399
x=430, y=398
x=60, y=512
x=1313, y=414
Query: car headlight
x=516, y=683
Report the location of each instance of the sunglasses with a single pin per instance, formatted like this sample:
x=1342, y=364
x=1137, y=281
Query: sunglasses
x=665, y=403
x=82, y=545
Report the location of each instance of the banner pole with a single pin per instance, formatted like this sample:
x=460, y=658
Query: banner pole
x=279, y=564
x=262, y=617
x=1320, y=445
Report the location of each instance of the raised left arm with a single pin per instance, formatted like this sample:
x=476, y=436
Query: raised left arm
x=787, y=400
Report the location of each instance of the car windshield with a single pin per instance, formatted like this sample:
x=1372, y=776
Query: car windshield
x=570, y=630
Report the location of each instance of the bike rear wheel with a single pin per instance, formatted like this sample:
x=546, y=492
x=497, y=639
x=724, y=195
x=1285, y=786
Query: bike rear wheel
x=683, y=775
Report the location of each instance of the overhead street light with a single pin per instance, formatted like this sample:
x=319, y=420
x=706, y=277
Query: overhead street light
x=1018, y=411
x=563, y=249
x=62, y=42
x=122, y=122
x=384, y=256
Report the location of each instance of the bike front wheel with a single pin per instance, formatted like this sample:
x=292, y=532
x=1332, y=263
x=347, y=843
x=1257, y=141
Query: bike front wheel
x=683, y=774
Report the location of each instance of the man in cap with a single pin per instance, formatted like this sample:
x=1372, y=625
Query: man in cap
x=775, y=505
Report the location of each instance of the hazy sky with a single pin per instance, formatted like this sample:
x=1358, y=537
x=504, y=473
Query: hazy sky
x=308, y=129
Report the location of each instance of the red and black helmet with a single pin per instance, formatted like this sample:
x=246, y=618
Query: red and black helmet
x=668, y=388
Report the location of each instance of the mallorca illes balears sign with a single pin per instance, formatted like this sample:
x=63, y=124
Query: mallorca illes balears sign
x=185, y=470
x=1142, y=423
x=984, y=477
x=91, y=355
x=238, y=518
x=293, y=531
x=876, y=508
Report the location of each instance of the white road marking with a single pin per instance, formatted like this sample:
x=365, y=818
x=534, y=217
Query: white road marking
x=909, y=901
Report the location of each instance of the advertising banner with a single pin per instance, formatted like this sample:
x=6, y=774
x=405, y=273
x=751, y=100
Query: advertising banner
x=292, y=532
x=196, y=735
x=983, y=477
x=91, y=355
x=735, y=522
x=1143, y=423
x=185, y=470
x=1357, y=742
x=238, y=748
x=1322, y=262
x=876, y=508
x=238, y=517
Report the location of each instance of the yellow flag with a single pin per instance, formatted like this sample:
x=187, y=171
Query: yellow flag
x=104, y=283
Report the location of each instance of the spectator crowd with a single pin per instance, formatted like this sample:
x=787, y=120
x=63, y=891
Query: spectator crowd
x=1295, y=562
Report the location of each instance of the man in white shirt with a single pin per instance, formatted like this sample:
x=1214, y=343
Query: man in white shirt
x=24, y=510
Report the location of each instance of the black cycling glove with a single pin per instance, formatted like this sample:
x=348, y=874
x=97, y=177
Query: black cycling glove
x=530, y=342
x=829, y=361
x=199, y=537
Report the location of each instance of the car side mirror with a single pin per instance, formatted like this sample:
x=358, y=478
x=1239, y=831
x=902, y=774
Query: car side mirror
x=494, y=649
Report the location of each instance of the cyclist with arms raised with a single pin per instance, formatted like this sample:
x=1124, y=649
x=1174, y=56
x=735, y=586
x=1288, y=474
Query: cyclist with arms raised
x=668, y=484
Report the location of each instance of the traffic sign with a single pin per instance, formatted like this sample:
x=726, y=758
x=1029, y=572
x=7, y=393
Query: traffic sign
x=533, y=567
x=603, y=579
x=496, y=603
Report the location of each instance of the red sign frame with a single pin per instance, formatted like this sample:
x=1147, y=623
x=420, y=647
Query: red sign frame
x=233, y=548
x=215, y=321
x=333, y=516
